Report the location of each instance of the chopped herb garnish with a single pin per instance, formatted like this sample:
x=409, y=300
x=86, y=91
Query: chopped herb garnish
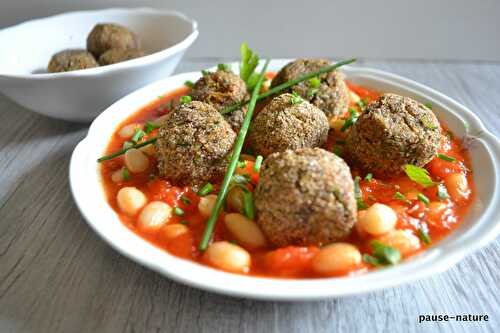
x=428, y=105
x=150, y=126
x=224, y=67
x=442, y=192
x=369, y=177
x=362, y=103
x=315, y=82
x=248, y=205
x=424, y=235
x=178, y=211
x=205, y=190
x=419, y=175
x=185, y=200
x=241, y=179
x=258, y=163
x=242, y=164
x=125, y=174
x=138, y=135
x=249, y=62
x=428, y=123
x=296, y=99
x=185, y=99
x=371, y=260
x=353, y=117
x=423, y=198
x=447, y=158
x=386, y=255
x=128, y=144
x=400, y=196
x=358, y=195
x=189, y=84
x=205, y=72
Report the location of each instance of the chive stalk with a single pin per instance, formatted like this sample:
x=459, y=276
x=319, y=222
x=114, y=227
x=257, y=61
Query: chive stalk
x=207, y=235
x=124, y=150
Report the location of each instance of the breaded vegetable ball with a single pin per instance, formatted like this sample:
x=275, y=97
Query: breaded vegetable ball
x=107, y=36
x=391, y=132
x=221, y=89
x=330, y=93
x=115, y=56
x=71, y=60
x=305, y=197
x=193, y=145
x=287, y=122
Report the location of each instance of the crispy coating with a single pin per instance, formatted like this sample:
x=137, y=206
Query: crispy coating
x=391, y=132
x=71, y=60
x=305, y=197
x=283, y=125
x=222, y=89
x=194, y=144
x=107, y=36
x=115, y=56
x=332, y=96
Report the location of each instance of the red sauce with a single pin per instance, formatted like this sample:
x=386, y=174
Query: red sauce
x=291, y=261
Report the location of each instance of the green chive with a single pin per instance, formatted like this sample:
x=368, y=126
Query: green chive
x=442, y=192
x=185, y=99
x=248, y=205
x=387, y=255
x=362, y=103
x=125, y=174
x=125, y=149
x=424, y=236
x=138, y=135
x=358, y=194
x=205, y=190
x=189, y=84
x=224, y=67
x=400, y=196
x=178, y=211
x=369, y=177
x=423, y=198
x=150, y=126
x=351, y=120
x=258, y=163
x=447, y=158
x=185, y=200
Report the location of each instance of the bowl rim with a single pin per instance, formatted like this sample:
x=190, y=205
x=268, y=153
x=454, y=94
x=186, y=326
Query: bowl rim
x=129, y=64
x=433, y=260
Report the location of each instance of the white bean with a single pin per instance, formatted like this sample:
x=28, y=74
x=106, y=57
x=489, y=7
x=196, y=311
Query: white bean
x=229, y=257
x=378, y=219
x=154, y=215
x=117, y=176
x=246, y=231
x=206, y=204
x=128, y=131
x=337, y=258
x=172, y=231
x=403, y=240
x=130, y=200
x=136, y=161
x=457, y=186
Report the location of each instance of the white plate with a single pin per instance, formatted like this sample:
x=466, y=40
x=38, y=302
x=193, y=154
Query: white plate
x=479, y=227
x=82, y=95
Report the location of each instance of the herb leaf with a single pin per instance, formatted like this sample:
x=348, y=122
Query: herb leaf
x=296, y=99
x=358, y=195
x=351, y=120
x=387, y=255
x=150, y=126
x=249, y=62
x=369, y=176
x=189, y=84
x=224, y=67
x=419, y=175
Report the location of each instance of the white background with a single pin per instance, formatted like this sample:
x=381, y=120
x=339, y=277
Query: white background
x=393, y=29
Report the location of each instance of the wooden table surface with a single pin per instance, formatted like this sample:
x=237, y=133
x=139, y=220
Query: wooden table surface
x=56, y=275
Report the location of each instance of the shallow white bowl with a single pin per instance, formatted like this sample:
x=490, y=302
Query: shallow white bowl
x=480, y=226
x=82, y=95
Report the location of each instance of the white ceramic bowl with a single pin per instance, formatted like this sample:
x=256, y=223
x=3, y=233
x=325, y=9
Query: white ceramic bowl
x=480, y=226
x=82, y=95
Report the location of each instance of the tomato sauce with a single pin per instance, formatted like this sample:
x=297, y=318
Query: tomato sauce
x=438, y=218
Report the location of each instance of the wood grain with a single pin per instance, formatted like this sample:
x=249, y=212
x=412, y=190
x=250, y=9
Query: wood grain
x=56, y=275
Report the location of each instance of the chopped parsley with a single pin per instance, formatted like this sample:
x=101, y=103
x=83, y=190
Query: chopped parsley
x=249, y=62
x=205, y=72
x=258, y=163
x=185, y=99
x=189, y=84
x=447, y=158
x=296, y=99
x=353, y=117
x=419, y=175
x=125, y=174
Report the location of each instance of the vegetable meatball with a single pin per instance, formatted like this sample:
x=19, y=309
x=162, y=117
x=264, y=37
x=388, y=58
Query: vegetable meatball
x=193, y=145
x=305, y=197
x=221, y=89
x=71, y=60
x=288, y=122
x=115, y=56
x=328, y=92
x=107, y=36
x=391, y=132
